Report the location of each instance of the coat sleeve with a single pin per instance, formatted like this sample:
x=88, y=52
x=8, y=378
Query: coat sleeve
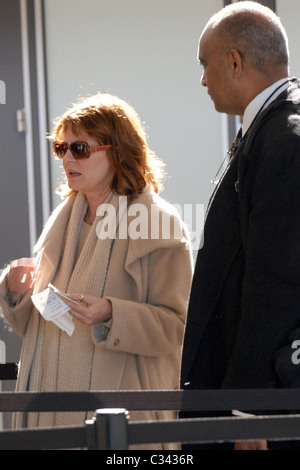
x=270, y=304
x=151, y=322
x=17, y=316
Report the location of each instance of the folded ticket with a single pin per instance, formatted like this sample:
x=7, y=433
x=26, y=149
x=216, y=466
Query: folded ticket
x=53, y=308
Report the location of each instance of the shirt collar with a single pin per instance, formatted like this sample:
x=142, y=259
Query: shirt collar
x=261, y=101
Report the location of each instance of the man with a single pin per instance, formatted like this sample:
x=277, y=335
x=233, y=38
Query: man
x=245, y=298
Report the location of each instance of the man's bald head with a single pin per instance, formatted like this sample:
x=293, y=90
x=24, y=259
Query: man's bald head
x=254, y=30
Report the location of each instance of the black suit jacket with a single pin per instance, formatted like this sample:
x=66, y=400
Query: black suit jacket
x=245, y=297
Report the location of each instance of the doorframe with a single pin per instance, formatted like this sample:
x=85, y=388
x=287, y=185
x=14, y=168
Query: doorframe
x=35, y=109
x=42, y=106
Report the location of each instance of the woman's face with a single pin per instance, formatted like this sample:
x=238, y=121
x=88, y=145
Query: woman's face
x=92, y=175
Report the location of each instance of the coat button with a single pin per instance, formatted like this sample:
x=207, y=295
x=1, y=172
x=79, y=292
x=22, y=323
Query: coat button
x=116, y=342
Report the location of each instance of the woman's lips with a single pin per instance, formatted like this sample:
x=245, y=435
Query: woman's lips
x=73, y=174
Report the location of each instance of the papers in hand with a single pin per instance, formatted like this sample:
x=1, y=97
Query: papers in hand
x=53, y=308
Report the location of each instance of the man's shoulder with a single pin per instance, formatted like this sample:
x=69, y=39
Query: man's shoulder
x=286, y=103
x=293, y=91
x=282, y=117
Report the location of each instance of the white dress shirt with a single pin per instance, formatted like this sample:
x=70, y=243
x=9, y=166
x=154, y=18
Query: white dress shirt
x=261, y=101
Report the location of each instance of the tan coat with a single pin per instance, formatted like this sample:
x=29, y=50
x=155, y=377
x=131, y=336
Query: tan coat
x=148, y=283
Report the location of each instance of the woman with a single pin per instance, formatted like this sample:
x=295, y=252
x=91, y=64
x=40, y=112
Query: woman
x=130, y=282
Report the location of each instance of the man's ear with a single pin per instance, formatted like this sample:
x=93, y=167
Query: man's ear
x=235, y=62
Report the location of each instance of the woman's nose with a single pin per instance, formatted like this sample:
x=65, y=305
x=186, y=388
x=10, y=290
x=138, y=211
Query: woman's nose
x=69, y=156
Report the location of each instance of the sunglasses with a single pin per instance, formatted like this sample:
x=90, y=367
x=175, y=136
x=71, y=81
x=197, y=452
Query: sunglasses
x=78, y=149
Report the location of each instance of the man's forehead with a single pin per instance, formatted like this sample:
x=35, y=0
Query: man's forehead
x=207, y=43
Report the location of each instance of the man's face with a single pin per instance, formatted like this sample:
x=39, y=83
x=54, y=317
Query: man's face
x=216, y=71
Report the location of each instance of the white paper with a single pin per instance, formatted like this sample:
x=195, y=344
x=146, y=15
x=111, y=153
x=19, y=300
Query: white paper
x=54, y=309
x=62, y=294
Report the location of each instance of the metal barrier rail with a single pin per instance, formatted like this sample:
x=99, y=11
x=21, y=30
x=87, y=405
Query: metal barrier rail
x=111, y=429
x=91, y=436
x=37, y=439
x=121, y=433
x=154, y=400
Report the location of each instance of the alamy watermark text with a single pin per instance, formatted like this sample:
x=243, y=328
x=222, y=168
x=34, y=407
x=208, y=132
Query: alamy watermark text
x=140, y=221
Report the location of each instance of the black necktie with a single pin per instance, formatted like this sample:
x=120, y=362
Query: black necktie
x=235, y=144
x=229, y=156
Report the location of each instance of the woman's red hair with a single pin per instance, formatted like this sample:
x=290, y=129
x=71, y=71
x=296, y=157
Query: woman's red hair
x=111, y=120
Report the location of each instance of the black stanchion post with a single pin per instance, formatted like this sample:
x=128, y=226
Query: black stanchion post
x=108, y=430
x=8, y=371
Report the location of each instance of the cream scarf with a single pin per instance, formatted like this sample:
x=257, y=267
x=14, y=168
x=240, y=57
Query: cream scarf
x=64, y=363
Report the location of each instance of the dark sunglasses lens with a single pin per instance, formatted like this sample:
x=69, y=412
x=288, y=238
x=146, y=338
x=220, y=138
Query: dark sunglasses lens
x=80, y=149
x=59, y=149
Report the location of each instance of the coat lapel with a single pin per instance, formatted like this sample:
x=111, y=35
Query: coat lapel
x=213, y=262
x=50, y=244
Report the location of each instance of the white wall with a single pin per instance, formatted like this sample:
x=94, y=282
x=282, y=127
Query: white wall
x=144, y=51
x=289, y=12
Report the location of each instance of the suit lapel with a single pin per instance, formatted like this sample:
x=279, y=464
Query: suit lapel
x=213, y=262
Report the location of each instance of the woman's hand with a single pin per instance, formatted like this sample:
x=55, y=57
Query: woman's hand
x=89, y=309
x=21, y=275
